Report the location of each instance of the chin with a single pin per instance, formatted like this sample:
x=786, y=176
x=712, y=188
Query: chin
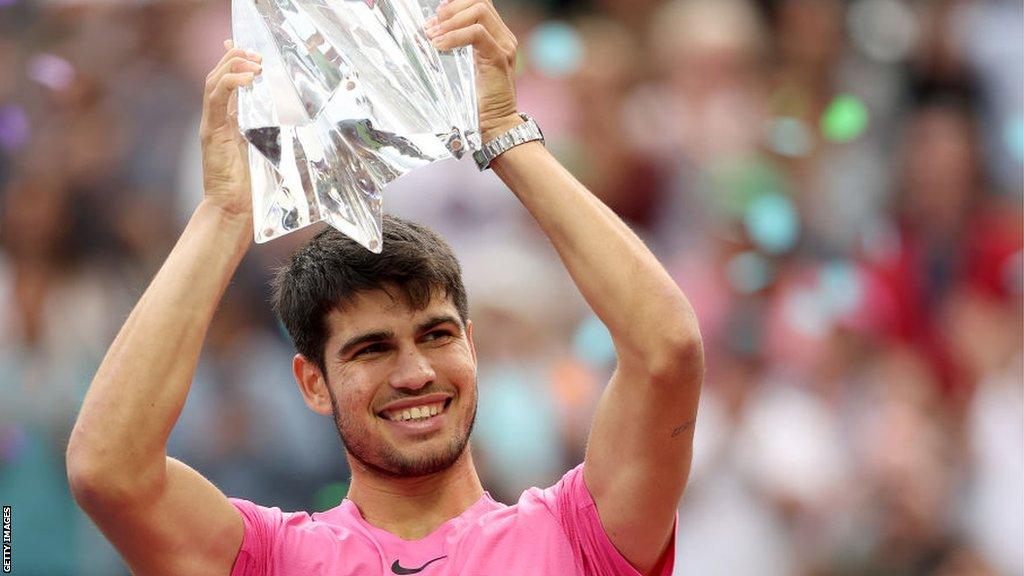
x=421, y=462
x=390, y=454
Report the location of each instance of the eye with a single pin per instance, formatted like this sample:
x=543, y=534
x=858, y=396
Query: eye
x=437, y=335
x=371, y=349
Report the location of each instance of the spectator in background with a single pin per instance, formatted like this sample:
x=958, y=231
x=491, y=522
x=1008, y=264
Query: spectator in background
x=60, y=304
x=243, y=422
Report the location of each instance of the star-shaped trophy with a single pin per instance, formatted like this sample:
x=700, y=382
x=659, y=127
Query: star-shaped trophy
x=352, y=96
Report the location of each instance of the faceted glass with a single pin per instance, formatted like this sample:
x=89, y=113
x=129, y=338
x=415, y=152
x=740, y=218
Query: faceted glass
x=352, y=96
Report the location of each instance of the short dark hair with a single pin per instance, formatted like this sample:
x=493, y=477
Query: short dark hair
x=331, y=270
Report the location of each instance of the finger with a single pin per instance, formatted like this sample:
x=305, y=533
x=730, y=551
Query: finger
x=241, y=63
x=462, y=13
x=230, y=65
x=476, y=35
x=235, y=53
x=224, y=64
x=449, y=7
x=216, y=109
x=229, y=45
x=232, y=52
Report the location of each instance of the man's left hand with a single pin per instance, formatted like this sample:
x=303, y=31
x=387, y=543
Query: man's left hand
x=477, y=23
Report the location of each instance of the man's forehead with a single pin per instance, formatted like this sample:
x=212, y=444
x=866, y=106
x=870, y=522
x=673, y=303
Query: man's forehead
x=385, y=310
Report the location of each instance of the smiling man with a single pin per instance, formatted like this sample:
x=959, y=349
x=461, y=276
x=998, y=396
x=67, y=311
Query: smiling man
x=385, y=347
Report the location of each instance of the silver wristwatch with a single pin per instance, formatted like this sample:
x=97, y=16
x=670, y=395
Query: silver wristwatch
x=528, y=131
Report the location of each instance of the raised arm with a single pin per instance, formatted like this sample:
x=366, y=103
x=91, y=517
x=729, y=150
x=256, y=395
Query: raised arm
x=639, y=450
x=162, y=516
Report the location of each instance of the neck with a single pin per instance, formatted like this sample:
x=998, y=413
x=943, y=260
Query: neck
x=412, y=508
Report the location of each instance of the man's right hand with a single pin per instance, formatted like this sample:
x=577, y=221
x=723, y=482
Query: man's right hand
x=162, y=516
x=225, y=151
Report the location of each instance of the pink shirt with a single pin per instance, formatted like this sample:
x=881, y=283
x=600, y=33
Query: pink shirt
x=554, y=532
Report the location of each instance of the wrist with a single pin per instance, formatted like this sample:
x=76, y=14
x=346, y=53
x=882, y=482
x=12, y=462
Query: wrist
x=492, y=129
x=524, y=152
x=236, y=223
x=228, y=214
x=524, y=131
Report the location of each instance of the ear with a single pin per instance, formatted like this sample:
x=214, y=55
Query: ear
x=469, y=337
x=312, y=384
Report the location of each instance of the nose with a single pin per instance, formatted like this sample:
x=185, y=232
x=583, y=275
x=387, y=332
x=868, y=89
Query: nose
x=411, y=370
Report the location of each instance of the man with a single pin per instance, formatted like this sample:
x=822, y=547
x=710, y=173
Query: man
x=385, y=346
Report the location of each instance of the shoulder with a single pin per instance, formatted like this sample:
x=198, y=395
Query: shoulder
x=570, y=492
x=286, y=543
x=559, y=526
x=268, y=521
x=573, y=509
x=538, y=506
x=337, y=522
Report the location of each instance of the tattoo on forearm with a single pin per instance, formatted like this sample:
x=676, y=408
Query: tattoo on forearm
x=685, y=426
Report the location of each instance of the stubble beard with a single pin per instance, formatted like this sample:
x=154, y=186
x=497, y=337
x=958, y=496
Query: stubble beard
x=389, y=462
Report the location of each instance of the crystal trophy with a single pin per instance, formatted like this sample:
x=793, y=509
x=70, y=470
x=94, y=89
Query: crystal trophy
x=352, y=96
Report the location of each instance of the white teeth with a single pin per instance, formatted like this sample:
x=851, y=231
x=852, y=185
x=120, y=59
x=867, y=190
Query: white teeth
x=417, y=413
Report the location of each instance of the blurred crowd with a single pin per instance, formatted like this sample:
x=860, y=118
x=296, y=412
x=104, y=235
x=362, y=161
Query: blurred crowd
x=836, y=185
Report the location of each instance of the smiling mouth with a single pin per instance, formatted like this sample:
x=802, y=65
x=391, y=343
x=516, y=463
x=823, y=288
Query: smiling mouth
x=419, y=413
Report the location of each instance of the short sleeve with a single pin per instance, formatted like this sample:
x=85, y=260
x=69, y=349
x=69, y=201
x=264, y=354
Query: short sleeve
x=577, y=513
x=261, y=528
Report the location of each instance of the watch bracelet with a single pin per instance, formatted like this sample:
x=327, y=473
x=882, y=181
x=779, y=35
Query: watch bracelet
x=528, y=131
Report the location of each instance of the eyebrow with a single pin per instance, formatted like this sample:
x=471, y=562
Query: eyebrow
x=382, y=335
